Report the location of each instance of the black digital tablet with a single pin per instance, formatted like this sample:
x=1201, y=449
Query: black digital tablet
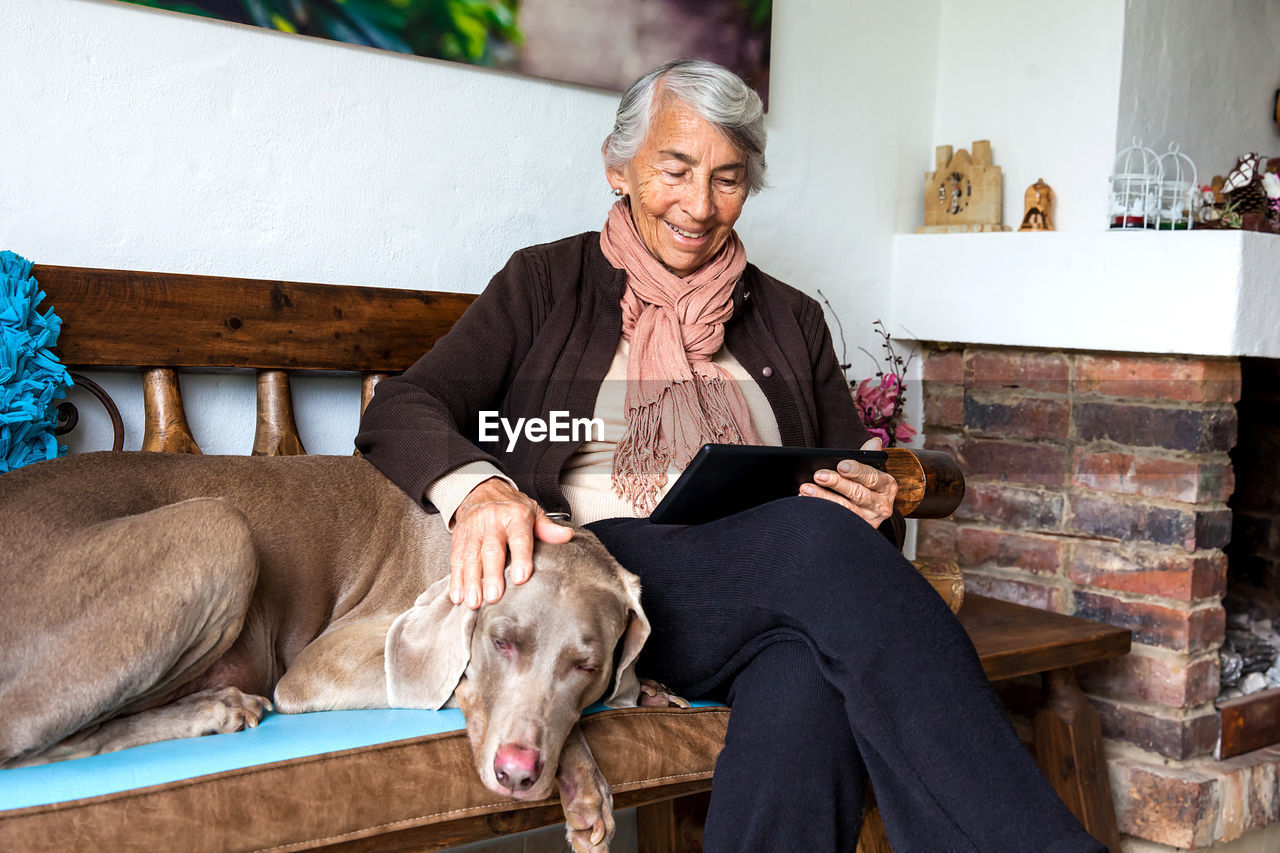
x=726, y=478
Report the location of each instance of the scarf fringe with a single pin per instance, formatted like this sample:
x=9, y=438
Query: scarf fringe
x=671, y=429
x=640, y=462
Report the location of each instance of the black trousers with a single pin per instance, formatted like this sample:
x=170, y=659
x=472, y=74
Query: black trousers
x=841, y=664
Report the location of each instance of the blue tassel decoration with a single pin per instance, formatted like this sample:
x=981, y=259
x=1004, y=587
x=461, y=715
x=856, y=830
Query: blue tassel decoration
x=31, y=377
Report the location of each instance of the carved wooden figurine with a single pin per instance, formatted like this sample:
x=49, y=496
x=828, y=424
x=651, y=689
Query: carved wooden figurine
x=964, y=194
x=1038, y=204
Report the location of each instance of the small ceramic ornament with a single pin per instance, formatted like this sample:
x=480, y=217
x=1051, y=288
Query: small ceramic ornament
x=1038, y=207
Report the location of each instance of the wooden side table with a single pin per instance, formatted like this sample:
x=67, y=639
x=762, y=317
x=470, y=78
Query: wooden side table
x=1014, y=640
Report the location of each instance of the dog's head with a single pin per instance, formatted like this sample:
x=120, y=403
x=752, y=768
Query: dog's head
x=524, y=668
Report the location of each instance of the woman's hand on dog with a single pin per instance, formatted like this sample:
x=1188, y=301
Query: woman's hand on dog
x=860, y=488
x=493, y=520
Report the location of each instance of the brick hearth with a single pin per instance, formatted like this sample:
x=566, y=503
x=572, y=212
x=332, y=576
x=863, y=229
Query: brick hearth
x=1098, y=486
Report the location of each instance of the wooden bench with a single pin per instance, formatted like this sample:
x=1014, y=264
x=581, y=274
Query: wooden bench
x=163, y=323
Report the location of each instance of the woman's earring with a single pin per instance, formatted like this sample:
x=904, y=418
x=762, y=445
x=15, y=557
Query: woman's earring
x=618, y=193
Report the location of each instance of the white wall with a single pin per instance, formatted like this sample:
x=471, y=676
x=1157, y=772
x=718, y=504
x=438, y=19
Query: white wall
x=1202, y=75
x=851, y=99
x=141, y=139
x=1042, y=82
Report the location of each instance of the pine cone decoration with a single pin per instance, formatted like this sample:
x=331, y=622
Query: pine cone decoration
x=1250, y=198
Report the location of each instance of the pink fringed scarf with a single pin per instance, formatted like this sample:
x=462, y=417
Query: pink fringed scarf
x=677, y=398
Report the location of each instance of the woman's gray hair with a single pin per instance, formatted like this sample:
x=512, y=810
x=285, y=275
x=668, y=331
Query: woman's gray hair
x=712, y=91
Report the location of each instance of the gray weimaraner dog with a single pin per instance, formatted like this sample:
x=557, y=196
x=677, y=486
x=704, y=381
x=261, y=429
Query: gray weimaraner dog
x=157, y=596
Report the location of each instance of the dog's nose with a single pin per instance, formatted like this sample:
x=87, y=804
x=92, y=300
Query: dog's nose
x=517, y=767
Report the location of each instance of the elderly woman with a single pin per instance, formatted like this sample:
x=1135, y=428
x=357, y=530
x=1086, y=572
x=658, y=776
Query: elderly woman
x=839, y=660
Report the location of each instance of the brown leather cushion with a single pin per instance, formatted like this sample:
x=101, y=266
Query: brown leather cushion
x=340, y=796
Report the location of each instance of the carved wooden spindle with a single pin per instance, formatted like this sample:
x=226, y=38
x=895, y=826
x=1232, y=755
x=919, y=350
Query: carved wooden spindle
x=367, y=385
x=165, y=427
x=276, y=433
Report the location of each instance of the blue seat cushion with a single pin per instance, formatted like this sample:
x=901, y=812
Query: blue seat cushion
x=278, y=737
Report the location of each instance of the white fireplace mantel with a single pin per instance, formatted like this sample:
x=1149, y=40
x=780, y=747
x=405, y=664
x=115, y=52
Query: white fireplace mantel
x=1197, y=293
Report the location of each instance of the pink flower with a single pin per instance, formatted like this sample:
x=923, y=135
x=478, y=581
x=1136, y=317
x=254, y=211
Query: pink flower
x=878, y=402
x=879, y=399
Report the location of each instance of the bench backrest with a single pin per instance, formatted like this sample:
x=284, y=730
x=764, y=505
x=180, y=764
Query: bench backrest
x=163, y=323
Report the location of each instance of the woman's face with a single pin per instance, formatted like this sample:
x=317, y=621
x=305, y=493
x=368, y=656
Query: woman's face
x=687, y=186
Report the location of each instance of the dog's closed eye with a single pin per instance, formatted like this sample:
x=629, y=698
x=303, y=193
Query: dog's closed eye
x=584, y=659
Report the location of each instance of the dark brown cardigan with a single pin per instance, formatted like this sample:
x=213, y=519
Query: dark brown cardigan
x=541, y=338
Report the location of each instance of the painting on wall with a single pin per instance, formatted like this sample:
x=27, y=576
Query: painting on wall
x=590, y=42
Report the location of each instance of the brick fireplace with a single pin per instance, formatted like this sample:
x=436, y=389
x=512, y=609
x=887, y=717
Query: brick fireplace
x=1098, y=485
x=1098, y=387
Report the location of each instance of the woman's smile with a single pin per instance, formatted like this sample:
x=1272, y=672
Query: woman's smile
x=688, y=235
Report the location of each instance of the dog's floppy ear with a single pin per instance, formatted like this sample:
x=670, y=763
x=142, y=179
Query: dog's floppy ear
x=626, y=686
x=428, y=649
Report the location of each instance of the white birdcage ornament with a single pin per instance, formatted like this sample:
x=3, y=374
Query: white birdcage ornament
x=1135, y=188
x=1177, y=186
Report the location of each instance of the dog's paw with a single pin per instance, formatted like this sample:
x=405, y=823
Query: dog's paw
x=656, y=695
x=223, y=710
x=588, y=820
x=588, y=809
